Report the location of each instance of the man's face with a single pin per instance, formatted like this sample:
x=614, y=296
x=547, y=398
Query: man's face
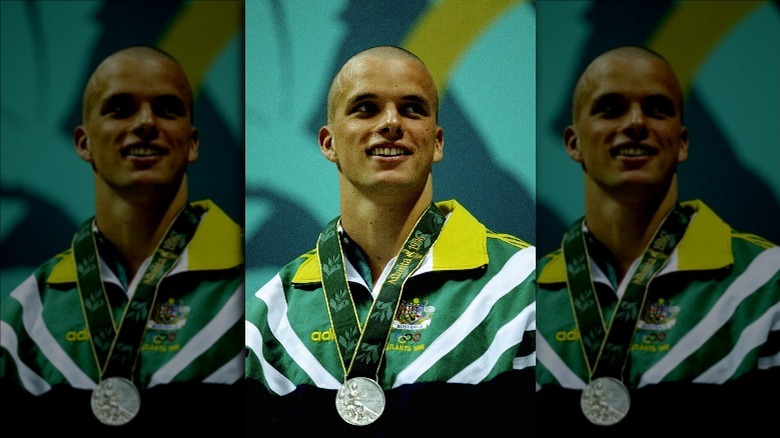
x=627, y=129
x=383, y=133
x=137, y=130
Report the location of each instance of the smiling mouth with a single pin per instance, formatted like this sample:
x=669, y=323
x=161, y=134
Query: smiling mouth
x=388, y=152
x=143, y=151
x=633, y=150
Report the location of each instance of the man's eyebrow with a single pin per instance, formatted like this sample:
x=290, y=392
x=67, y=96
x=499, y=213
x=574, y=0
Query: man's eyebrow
x=610, y=95
x=601, y=98
x=113, y=98
x=169, y=97
x=660, y=96
x=116, y=96
x=369, y=96
x=361, y=97
x=416, y=98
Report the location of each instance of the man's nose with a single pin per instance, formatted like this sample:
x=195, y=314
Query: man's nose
x=391, y=122
x=636, y=122
x=145, y=122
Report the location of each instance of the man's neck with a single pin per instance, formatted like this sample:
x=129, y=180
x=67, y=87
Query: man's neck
x=135, y=228
x=380, y=226
x=626, y=228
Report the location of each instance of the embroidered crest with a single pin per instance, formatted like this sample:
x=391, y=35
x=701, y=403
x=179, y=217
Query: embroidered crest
x=413, y=315
x=168, y=315
x=661, y=315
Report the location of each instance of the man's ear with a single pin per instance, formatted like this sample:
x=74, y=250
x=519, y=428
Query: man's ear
x=81, y=144
x=682, y=153
x=571, y=144
x=327, y=145
x=194, y=143
x=438, y=151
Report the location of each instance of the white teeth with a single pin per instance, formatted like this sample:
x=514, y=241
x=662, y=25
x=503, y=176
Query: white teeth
x=387, y=152
x=633, y=151
x=140, y=151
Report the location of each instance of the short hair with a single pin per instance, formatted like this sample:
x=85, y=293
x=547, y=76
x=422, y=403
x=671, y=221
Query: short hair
x=618, y=50
x=383, y=51
x=139, y=50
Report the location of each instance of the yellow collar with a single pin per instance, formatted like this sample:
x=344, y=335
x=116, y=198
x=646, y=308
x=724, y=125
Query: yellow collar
x=705, y=245
x=462, y=244
x=215, y=245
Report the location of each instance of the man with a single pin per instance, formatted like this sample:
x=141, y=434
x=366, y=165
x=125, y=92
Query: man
x=654, y=312
x=407, y=315
x=138, y=324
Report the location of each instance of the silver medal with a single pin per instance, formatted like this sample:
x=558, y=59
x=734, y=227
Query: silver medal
x=115, y=401
x=605, y=401
x=360, y=401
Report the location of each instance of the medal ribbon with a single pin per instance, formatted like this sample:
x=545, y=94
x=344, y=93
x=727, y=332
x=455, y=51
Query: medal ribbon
x=361, y=348
x=115, y=346
x=605, y=346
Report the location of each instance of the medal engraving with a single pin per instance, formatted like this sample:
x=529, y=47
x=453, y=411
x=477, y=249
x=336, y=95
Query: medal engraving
x=360, y=401
x=115, y=401
x=605, y=401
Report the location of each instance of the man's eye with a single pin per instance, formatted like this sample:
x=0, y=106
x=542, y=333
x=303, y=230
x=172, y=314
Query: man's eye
x=609, y=108
x=364, y=107
x=121, y=110
x=118, y=106
x=414, y=108
x=169, y=108
x=660, y=107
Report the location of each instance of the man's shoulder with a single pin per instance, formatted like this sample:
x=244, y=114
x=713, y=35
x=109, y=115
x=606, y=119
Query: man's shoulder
x=710, y=242
x=303, y=269
x=508, y=239
x=753, y=240
x=218, y=241
x=60, y=268
x=551, y=268
x=465, y=230
x=214, y=214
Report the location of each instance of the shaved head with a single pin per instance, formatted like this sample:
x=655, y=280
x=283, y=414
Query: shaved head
x=589, y=78
x=381, y=52
x=137, y=52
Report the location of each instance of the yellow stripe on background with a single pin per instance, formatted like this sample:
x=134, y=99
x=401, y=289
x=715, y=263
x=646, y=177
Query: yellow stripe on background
x=199, y=34
x=446, y=31
x=693, y=29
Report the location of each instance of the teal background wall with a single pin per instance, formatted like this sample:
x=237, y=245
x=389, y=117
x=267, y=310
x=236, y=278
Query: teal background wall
x=482, y=56
x=48, y=49
x=726, y=54
x=505, y=69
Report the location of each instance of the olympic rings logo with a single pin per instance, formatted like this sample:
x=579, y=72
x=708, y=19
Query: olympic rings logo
x=163, y=337
x=654, y=337
x=408, y=338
